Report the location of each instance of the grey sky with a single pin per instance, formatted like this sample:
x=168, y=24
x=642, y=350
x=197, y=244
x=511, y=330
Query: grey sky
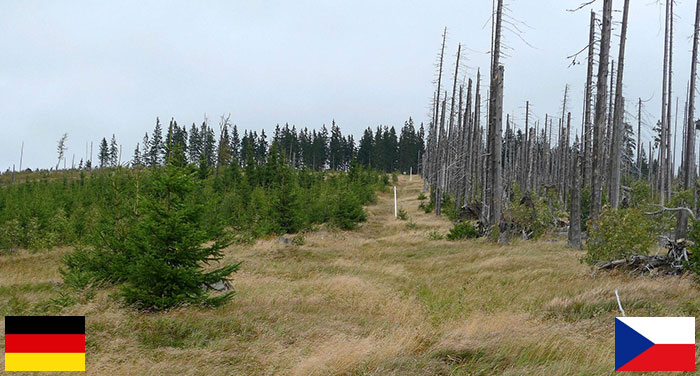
x=93, y=68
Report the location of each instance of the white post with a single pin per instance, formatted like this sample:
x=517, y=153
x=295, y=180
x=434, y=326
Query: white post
x=410, y=177
x=396, y=208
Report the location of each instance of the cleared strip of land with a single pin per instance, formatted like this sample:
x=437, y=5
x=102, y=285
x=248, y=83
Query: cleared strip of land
x=384, y=299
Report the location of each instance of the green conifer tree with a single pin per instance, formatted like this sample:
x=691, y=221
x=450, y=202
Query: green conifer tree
x=103, y=154
x=168, y=247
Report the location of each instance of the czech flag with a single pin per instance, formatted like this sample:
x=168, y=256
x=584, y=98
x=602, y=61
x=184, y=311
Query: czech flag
x=44, y=343
x=655, y=343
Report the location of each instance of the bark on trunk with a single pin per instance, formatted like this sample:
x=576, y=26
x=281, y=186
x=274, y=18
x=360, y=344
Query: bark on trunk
x=689, y=173
x=600, y=112
x=618, y=126
x=575, y=204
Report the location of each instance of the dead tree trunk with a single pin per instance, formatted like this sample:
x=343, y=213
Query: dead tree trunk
x=441, y=158
x=600, y=112
x=664, y=122
x=587, y=103
x=675, y=139
x=618, y=126
x=608, y=128
x=466, y=162
x=496, y=144
x=575, y=203
x=476, y=141
x=439, y=82
x=565, y=159
x=669, y=96
x=450, y=127
x=460, y=151
x=689, y=173
x=495, y=125
x=528, y=148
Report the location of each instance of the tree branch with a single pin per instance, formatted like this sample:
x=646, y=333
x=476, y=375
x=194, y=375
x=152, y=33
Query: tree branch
x=665, y=209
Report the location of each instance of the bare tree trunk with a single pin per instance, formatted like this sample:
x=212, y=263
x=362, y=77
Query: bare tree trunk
x=650, y=169
x=495, y=125
x=441, y=158
x=545, y=157
x=575, y=204
x=450, y=127
x=466, y=163
x=639, y=140
x=664, y=122
x=528, y=148
x=495, y=136
x=587, y=103
x=618, y=126
x=565, y=160
x=600, y=113
x=669, y=95
x=608, y=129
x=435, y=152
x=437, y=99
x=675, y=139
x=535, y=160
x=460, y=152
x=689, y=173
x=476, y=140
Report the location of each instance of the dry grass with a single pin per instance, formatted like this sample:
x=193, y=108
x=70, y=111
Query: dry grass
x=383, y=300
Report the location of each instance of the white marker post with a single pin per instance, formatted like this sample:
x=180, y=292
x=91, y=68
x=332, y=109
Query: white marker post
x=410, y=177
x=396, y=208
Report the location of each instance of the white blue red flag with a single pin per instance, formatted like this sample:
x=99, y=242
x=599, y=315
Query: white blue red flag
x=655, y=343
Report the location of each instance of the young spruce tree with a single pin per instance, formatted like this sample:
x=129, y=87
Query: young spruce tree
x=168, y=244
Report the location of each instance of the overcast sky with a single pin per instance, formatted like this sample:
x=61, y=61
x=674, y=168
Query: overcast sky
x=94, y=68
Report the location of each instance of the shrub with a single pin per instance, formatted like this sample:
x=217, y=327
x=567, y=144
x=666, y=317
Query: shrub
x=435, y=235
x=427, y=208
x=290, y=216
x=640, y=194
x=448, y=208
x=262, y=216
x=385, y=180
x=410, y=225
x=348, y=211
x=533, y=214
x=402, y=215
x=463, y=230
x=694, y=247
x=10, y=235
x=618, y=234
x=299, y=240
x=421, y=196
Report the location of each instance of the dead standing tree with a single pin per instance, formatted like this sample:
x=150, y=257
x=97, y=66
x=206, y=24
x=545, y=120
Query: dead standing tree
x=600, y=112
x=618, y=126
x=574, y=234
x=435, y=154
x=669, y=96
x=689, y=152
x=663, y=163
x=495, y=193
x=587, y=103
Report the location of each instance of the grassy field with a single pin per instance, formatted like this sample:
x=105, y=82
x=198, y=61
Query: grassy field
x=382, y=300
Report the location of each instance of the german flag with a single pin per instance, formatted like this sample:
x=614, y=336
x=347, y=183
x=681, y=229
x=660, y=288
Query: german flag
x=44, y=343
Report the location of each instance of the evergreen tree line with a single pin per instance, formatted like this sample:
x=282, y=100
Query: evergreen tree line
x=256, y=200
x=381, y=149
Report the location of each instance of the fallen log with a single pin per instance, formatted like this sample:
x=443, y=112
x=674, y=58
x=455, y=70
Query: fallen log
x=645, y=264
